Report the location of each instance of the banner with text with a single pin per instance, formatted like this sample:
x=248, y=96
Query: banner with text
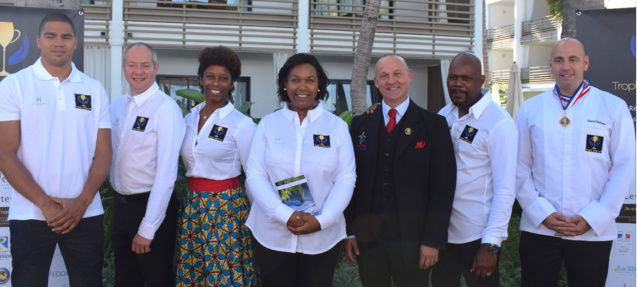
x=609, y=39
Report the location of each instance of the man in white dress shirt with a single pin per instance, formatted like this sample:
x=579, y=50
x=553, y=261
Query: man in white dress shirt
x=576, y=162
x=486, y=145
x=148, y=130
x=55, y=152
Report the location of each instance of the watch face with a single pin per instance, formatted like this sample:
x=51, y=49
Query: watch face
x=492, y=247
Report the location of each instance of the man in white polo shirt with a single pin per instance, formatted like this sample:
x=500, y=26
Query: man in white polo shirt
x=55, y=151
x=576, y=163
x=148, y=129
x=485, y=142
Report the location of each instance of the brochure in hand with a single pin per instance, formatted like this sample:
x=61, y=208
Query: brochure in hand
x=296, y=194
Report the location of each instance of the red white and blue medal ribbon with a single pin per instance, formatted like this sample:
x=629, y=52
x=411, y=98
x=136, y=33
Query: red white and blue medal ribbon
x=568, y=102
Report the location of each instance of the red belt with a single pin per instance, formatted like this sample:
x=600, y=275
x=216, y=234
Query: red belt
x=211, y=185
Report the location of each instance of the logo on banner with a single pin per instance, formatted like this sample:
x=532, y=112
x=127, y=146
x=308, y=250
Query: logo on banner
x=4, y=243
x=9, y=35
x=625, y=269
x=5, y=275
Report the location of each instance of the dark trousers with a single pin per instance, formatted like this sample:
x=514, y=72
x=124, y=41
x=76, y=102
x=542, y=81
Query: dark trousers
x=33, y=244
x=384, y=263
x=154, y=268
x=283, y=269
x=542, y=256
x=458, y=259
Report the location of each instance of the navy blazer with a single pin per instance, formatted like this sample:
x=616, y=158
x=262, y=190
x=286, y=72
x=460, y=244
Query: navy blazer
x=424, y=178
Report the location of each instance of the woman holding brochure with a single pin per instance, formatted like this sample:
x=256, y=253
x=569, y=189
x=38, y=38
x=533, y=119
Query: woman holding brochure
x=301, y=173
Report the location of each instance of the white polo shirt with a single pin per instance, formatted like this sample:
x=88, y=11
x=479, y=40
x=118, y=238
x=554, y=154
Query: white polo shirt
x=147, y=133
x=585, y=168
x=485, y=142
x=59, y=123
x=283, y=148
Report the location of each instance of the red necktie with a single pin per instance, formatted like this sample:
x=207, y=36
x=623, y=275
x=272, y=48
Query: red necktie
x=392, y=120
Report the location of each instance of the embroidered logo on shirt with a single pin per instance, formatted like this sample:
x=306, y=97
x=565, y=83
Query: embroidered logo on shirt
x=140, y=124
x=39, y=100
x=361, y=142
x=468, y=133
x=218, y=133
x=83, y=102
x=321, y=141
x=594, y=143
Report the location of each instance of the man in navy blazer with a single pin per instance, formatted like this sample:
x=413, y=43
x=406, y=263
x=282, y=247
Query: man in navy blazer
x=398, y=217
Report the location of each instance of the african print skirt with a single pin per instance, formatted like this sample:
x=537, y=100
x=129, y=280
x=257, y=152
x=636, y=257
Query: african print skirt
x=214, y=245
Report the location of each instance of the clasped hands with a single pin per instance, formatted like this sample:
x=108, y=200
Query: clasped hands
x=566, y=226
x=63, y=214
x=303, y=223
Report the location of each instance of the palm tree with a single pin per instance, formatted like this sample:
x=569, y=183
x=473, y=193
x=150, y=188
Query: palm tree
x=565, y=10
x=485, y=52
x=362, y=57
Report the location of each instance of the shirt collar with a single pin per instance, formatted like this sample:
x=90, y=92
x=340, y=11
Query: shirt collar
x=221, y=112
x=400, y=109
x=141, y=98
x=312, y=114
x=42, y=74
x=481, y=105
x=477, y=108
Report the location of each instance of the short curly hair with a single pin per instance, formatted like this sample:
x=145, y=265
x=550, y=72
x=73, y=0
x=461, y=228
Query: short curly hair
x=295, y=60
x=220, y=56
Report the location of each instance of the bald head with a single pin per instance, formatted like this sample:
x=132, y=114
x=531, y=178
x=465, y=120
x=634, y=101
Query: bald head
x=468, y=59
x=568, y=42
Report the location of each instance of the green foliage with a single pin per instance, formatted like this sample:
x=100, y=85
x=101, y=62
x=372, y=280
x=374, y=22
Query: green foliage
x=555, y=9
x=191, y=94
x=108, y=270
x=346, y=116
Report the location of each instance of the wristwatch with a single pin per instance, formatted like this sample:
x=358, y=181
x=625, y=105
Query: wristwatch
x=493, y=249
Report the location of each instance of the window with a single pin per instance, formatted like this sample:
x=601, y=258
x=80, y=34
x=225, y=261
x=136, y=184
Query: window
x=339, y=99
x=170, y=85
x=350, y=8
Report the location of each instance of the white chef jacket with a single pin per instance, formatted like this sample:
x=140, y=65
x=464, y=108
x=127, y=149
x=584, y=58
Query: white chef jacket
x=58, y=134
x=209, y=157
x=283, y=148
x=146, y=153
x=486, y=162
x=555, y=171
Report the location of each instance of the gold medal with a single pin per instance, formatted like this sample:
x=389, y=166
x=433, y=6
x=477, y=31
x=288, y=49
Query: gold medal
x=565, y=121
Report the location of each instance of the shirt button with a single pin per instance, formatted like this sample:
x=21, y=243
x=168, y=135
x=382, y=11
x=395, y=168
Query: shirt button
x=386, y=154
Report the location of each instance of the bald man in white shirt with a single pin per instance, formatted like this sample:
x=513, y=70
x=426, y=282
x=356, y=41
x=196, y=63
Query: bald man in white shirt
x=148, y=130
x=576, y=162
x=486, y=145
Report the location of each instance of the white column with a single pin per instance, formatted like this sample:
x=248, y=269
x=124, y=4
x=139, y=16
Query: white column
x=116, y=33
x=477, y=29
x=303, y=32
x=520, y=16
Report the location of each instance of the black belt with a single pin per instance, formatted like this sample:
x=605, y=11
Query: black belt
x=132, y=197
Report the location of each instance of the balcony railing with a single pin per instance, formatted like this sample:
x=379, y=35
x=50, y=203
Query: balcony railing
x=500, y=37
x=500, y=76
x=530, y=75
x=538, y=74
x=408, y=27
x=257, y=25
x=539, y=30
